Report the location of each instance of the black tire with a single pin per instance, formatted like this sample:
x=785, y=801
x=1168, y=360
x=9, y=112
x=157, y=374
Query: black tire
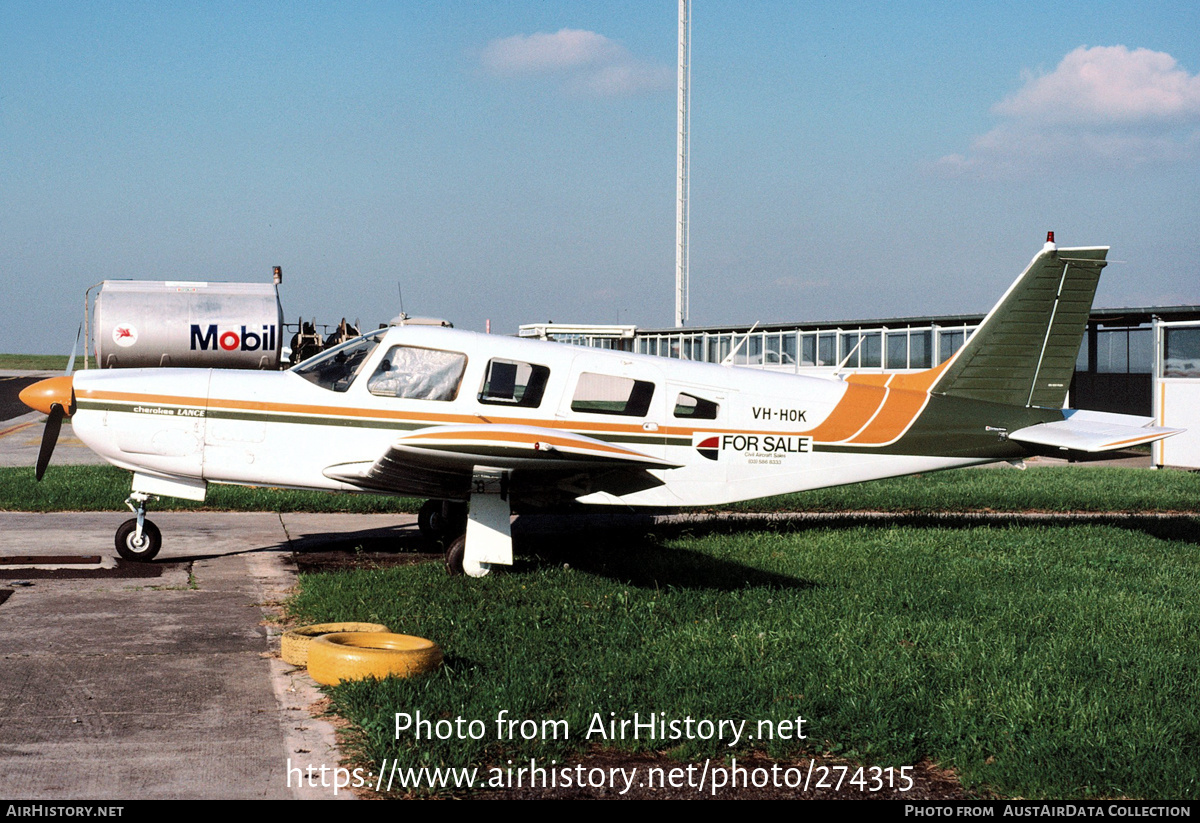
x=147, y=549
x=455, y=553
x=441, y=520
x=430, y=520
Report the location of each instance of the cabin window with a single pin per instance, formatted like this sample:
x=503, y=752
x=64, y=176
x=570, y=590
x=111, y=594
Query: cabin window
x=695, y=408
x=606, y=394
x=336, y=368
x=418, y=374
x=512, y=383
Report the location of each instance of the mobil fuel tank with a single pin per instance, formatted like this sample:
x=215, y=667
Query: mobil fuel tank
x=146, y=323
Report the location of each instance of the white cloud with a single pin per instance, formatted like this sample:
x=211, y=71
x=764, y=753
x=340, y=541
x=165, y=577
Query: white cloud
x=587, y=62
x=1106, y=105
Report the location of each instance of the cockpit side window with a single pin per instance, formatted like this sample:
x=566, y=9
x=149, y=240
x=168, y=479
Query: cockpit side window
x=418, y=374
x=513, y=383
x=336, y=368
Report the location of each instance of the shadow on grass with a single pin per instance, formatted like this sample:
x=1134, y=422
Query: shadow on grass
x=641, y=560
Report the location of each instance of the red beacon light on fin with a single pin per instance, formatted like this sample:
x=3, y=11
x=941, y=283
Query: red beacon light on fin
x=1049, y=237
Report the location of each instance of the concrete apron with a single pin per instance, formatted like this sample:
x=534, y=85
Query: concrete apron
x=170, y=686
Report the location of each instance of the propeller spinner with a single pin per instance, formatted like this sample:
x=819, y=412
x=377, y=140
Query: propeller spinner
x=54, y=397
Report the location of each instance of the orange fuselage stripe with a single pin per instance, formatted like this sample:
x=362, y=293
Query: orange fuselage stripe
x=867, y=412
x=900, y=409
x=850, y=414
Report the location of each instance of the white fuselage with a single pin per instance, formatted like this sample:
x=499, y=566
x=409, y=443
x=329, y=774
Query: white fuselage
x=733, y=434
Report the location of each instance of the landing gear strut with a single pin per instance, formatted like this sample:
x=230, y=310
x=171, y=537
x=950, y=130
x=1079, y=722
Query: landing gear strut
x=445, y=522
x=476, y=533
x=138, y=539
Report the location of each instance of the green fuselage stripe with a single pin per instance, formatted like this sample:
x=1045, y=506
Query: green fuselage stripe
x=352, y=422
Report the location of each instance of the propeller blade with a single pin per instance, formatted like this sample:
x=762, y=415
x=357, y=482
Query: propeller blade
x=75, y=348
x=49, y=438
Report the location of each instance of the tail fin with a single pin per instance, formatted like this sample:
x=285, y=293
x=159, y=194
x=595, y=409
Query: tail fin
x=1023, y=353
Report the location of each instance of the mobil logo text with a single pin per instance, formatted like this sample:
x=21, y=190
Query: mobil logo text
x=235, y=338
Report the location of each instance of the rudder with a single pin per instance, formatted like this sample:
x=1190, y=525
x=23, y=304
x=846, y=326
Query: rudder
x=1023, y=353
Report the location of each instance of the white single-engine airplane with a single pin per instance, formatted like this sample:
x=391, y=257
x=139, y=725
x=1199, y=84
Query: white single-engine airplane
x=482, y=425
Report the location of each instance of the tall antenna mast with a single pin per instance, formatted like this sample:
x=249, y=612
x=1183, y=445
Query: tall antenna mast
x=682, y=184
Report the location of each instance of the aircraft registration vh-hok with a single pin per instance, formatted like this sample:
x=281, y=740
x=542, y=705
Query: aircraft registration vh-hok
x=485, y=425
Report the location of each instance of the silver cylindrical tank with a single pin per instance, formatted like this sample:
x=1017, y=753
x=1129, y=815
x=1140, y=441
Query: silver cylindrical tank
x=143, y=323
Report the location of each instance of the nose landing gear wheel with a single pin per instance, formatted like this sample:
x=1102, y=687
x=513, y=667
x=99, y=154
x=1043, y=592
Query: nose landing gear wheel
x=139, y=551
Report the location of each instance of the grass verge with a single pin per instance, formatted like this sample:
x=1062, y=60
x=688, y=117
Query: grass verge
x=38, y=362
x=1052, y=489
x=104, y=488
x=1036, y=662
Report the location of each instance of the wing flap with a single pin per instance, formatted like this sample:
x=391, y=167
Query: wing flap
x=1089, y=431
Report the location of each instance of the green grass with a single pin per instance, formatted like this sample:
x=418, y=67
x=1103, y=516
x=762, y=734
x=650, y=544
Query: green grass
x=39, y=362
x=1054, y=489
x=1036, y=662
x=1050, y=489
x=104, y=488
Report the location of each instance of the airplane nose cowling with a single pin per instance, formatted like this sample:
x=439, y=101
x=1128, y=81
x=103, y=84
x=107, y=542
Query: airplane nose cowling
x=45, y=394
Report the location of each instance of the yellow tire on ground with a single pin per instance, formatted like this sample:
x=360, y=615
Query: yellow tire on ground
x=294, y=645
x=333, y=658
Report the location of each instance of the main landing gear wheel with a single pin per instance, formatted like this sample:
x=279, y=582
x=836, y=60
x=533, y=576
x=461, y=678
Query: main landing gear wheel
x=431, y=521
x=454, y=555
x=455, y=560
x=440, y=519
x=131, y=548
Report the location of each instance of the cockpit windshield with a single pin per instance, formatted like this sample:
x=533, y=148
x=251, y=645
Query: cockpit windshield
x=336, y=368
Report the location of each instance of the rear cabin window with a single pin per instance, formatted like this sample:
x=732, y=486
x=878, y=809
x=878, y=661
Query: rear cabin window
x=418, y=374
x=695, y=408
x=606, y=394
x=513, y=383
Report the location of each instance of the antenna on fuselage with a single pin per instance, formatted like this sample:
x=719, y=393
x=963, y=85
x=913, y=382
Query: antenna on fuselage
x=728, y=361
x=842, y=365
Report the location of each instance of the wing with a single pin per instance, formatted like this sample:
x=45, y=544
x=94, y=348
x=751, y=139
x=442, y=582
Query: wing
x=439, y=462
x=1090, y=431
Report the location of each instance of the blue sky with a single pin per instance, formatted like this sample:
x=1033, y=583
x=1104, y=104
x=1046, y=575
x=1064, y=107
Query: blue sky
x=515, y=161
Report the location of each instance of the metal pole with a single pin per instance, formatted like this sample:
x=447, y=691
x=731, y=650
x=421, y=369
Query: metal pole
x=683, y=143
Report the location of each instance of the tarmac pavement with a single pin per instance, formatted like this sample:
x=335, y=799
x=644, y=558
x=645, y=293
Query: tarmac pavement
x=166, y=686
